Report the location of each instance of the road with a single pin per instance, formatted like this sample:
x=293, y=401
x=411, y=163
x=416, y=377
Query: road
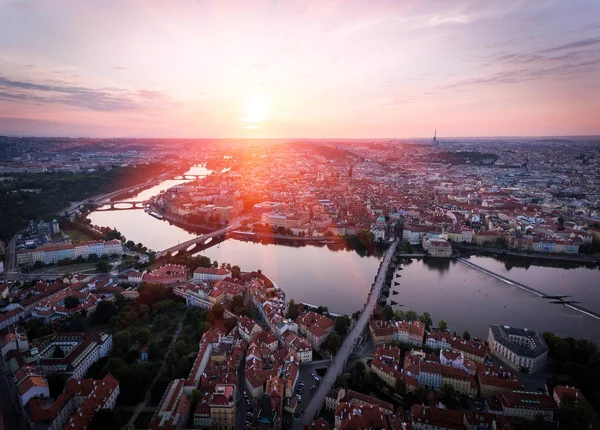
x=341, y=357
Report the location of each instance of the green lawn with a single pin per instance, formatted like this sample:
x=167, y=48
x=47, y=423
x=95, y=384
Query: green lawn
x=77, y=236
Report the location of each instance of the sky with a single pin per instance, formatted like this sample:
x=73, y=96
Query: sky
x=299, y=68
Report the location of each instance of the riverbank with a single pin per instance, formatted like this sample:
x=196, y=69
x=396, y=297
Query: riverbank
x=565, y=258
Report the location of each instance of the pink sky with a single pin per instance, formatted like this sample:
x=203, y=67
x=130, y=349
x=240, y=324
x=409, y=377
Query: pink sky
x=287, y=68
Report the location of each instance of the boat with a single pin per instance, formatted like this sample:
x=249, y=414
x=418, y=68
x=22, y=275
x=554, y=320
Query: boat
x=156, y=215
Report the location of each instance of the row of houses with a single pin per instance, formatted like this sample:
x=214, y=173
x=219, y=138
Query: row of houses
x=54, y=253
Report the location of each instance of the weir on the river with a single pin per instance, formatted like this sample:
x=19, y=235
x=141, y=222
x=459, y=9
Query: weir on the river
x=526, y=288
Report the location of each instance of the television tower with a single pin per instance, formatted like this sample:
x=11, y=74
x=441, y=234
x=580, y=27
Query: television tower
x=435, y=137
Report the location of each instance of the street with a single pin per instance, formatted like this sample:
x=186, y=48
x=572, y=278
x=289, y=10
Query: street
x=341, y=357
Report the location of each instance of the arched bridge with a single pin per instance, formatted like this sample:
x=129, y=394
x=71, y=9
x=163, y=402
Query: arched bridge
x=120, y=205
x=187, y=177
x=196, y=242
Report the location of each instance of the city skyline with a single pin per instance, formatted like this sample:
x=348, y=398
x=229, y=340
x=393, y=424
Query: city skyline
x=328, y=69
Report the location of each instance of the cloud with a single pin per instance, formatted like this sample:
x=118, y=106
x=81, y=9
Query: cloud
x=104, y=99
x=565, y=70
x=583, y=43
x=22, y=5
x=119, y=67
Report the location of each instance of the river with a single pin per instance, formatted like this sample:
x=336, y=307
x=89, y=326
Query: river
x=468, y=299
x=465, y=297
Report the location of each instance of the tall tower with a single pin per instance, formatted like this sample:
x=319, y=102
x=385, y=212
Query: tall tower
x=435, y=137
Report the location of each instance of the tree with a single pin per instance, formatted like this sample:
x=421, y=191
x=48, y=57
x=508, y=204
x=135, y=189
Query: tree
x=218, y=310
x=104, y=419
x=292, y=310
x=388, y=312
x=216, y=264
x=466, y=335
x=426, y=319
x=576, y=414
x=341, y=325
x=442, y=326
x=356, y=315
x=236, y=303
x=448, y=396
x=71, y=302
x=230, y=323
x=104, y=311
x=121, y=343
x=333, y=342
x=236, y=272
x=399, y=315
x=58, y=352
x=56, y=384
x=411, y=315
x=102, y=266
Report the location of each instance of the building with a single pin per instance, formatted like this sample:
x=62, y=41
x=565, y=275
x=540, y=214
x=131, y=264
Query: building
x=299, y=345
x=222, y=407
x=430, y=418
x=79, y=352
x=211, y=274
x=50, y=254
x=561, y=392
x=90, y=396
x=173, y=409
x=519, y=348
x=409, y=332
x=526, y=404
x=438, y=248
x=315, y=327
x=353, y=416
x=493, y=381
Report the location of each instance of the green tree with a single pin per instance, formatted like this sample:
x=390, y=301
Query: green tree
x=411, y=315
x=102, y=266
x=141, y=335
x=104, y=419
x=333, y=342
x=341, y=325
x=71, y=302
x=121, y=341
x=466, y=335
x=388, y=312
x=236, y=272
x=104, y=311
x=425, y=318
x=58, y=352
x=292, y=310
x=442, y=326
x=218, y=310
x=230, y=323
x=448, y=396
x=577, y=414
x=356, y=315
x=56, y=384
x=399, y=315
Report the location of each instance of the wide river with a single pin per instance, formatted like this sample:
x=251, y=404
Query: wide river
x=465, y=297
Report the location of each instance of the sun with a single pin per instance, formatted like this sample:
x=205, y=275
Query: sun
x=255, y=109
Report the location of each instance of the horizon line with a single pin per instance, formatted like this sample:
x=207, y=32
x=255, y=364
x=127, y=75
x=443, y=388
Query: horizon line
x=304, y=138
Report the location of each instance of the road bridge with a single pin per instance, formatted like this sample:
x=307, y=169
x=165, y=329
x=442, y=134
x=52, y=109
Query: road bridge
x=189, y=245
x=120, y=205
x=340, y=359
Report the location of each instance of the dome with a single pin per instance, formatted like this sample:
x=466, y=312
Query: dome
x=381, y=218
